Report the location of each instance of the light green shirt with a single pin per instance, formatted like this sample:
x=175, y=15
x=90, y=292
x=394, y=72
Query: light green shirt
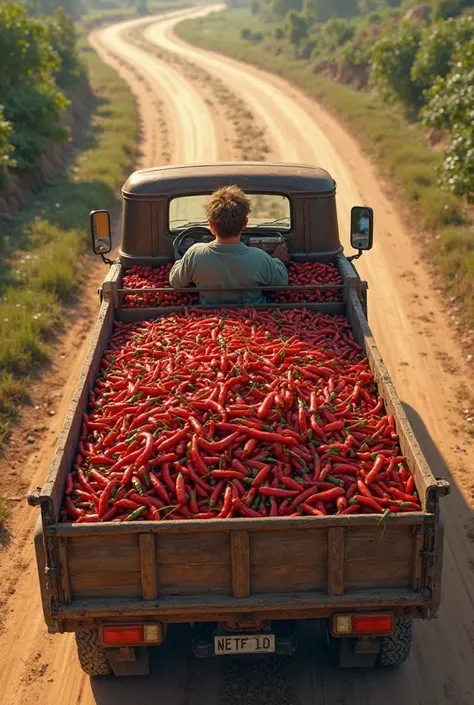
x=213, y=266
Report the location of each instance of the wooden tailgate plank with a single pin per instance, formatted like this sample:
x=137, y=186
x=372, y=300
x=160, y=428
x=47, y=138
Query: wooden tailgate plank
x=194, y=563
x=379, y=557
x=104, y=566
x=336, y=550
x=288, y=561
x=240, y=553
x=148, y=567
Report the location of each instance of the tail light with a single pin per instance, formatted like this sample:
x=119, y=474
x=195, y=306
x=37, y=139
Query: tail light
x=360, y=624
x=132, y=634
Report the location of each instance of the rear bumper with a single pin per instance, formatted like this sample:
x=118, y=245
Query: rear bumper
x=86, y=614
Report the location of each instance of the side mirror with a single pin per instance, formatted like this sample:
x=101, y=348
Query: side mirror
x=101, y=233
x=362, y=228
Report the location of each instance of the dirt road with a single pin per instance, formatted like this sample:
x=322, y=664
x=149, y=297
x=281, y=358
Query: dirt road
x=184, y=119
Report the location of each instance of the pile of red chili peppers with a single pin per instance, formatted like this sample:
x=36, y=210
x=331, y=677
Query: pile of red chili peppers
x=304, y=273
x=299, y=274
x=152, y=278
x=240, y=414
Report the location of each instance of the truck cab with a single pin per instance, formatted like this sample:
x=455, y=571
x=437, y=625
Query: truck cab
x=163, y=215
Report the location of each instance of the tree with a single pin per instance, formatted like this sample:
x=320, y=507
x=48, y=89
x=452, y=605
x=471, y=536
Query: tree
x=255, y=7
x=142, y=7
x=323, y=10
x=63, y=38
x=439, y=42
x=296, y=28
x=47, y=7
x=6, y=148
x=31, y=99
x=451, y=107
x=393, y=57
x=281, y=7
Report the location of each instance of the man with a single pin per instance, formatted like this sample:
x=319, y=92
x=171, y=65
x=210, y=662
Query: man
x=227, y=263
x=364, y=223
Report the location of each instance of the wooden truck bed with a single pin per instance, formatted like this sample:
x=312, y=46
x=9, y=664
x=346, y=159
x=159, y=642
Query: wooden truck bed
x=280, y=568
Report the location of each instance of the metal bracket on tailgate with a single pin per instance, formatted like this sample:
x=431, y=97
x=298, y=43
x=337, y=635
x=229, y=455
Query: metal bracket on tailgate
x=441, y=489
x=45, y=502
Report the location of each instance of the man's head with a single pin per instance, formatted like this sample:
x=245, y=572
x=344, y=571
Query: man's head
x=228, y=210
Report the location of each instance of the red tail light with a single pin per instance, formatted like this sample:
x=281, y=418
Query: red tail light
x=359, y=623
x=372, y=623
x=126, y=635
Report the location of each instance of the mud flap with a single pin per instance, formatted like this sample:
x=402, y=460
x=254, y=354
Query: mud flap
x=129, y=661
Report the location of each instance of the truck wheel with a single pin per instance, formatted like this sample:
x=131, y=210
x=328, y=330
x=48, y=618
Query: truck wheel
x=397, y=648
x=92, y=656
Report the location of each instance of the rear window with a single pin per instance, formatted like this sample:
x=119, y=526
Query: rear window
x=270, y=211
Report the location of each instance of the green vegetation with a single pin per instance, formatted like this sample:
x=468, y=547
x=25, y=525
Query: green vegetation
x=399, y=146
x=39, y=66
x=40, y=253
x=4, y=510
x=110, y=11
x=400, y=48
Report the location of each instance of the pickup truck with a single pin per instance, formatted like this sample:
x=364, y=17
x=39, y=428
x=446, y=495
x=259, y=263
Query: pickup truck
x=242, y=583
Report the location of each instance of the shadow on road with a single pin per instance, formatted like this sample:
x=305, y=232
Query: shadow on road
x=428, y=446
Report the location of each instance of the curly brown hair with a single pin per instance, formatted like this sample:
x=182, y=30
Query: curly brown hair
x=227, y=209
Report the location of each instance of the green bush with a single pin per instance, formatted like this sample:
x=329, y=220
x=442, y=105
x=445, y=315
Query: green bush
x=38, y=55
x=246, y=33
x=63, y=37
x=393, y=57
x=443, y=9
x=451, y=106
x=6, y=148
x=337, y=32
x=439, y=42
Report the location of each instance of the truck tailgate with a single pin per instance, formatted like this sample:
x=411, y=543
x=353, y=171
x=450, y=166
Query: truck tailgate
x=169, y=564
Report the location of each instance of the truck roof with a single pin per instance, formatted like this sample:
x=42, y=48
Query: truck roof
x=253, y=177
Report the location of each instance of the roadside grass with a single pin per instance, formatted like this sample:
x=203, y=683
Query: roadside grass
x=40, y=249
x=4, y=510
x=98, y=18
x=399, y=147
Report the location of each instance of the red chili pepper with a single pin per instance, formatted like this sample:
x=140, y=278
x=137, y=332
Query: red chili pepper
x=181, y=490
x=341, y=504
x=173, y=440
x=369, y=502
x=352, y=509
x=126, y=504
x=69, y=484
x=377, y=467
x=243, y=509
x=218, y=446
x=307, y=509
x=261, y=475
x=410, y=485
x=277, y=492
x=327, y=495
x=72, y=510
x=159, y=488
x=88, y=488
x=149, y=444
x=105, y=497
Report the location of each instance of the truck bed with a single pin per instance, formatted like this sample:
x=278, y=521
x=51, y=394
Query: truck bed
x=280, y=568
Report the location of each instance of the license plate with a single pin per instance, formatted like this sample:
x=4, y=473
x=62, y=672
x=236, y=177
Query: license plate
x=259, y=644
